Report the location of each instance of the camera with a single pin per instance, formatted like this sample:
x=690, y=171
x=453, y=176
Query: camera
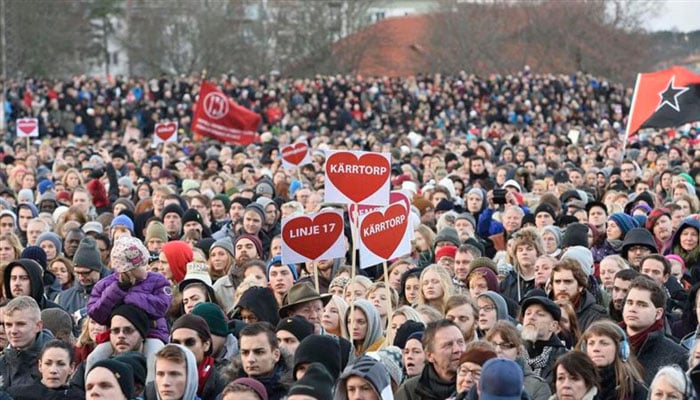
x=499, y=196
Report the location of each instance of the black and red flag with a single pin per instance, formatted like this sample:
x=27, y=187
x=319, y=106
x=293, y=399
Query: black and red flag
x=665, y=99
x=219, y=117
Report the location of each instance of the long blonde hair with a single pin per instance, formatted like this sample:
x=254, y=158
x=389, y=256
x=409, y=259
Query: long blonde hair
x=448, y=288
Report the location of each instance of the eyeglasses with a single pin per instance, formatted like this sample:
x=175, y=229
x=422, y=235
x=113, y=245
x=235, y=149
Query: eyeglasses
x=127, y=330
x=503, y=346
x=626, y=169
x=475, y=373
x=82, y=273
x=487, y=308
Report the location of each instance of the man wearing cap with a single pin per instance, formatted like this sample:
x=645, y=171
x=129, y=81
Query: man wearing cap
x=501, y=379
x=638, y=244
x=88, y=269
x=540, y=319
x=253, y=219
x=291, y=331
x=280, y=278
x=316, y=384
x=367, y=375
x=544, y=215
x=172, y=219
x=303, y=300
x=444, y=344
x=8, y=222
x=224, y=344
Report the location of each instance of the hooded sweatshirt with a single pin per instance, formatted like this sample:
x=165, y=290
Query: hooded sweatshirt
x=261, y=301
x=190, y=393
x=374, y=335
x=373, y=372
x=36, y=281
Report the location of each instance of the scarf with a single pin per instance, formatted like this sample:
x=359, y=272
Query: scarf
x=539, y=362
x=204, y=369
x=637, y=340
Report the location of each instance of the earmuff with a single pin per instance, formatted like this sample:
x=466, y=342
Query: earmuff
x=624, y=345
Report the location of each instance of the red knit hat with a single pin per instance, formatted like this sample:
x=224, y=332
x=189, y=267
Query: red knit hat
x=178, y=253
x=445, y=251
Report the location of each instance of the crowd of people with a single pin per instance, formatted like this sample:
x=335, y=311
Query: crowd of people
x=552, y=259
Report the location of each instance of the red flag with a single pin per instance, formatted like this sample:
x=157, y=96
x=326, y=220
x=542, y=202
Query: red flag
x=219, y=117
x=665, y=99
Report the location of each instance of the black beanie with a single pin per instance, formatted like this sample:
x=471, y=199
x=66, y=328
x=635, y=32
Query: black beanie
x=297, y=326
x=405, y=330
x=192, y=215
x=122, y=372
x=137, y=362
x=35, y=253
x=196, y=323
x=137, y=317
x=576, y=234
x=316, y=382
x=545, y=207
x=322, y=349
x=170, y=208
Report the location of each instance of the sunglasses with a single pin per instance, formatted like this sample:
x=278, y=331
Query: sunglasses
x=127, y=330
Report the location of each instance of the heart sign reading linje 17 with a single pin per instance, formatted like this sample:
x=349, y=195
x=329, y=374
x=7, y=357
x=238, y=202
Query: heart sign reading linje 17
x=165, y=132
x=358, y=177
x=311, y=237
x=27, y=127
x=384, y=235
x=295, y=155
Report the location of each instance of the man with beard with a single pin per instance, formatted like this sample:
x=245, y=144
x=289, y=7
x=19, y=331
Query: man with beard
x=172, y=219
x=271, y=224
x=444, y=344
x=462, y=310
x=246, y=247
x=540, y=319
x=569, y=284
x=326, y=272
x=621, y=285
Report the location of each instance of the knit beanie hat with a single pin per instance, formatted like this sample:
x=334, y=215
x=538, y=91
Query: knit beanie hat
x=225, y=243
x=178, y=254
x=483, y=262
x=11, y=214
x=256, y=241
x=582, y=255
x=316, y=383
x=137, y=362
x=214, y=316
x=195, y=323
x=257, y=208
x=339, y=281
x=576, y=234
x=297, y=326
x=445, y=251
x=488, y=275
x=405, y=330
x=192, y=215
x=319, y=348
x=448, y=234
x=654, y=216
x=468, y=217
x=224, y=199
x=255, y=385
x=122, y=220
x=156, y=230
x=372, y=371
x=476, y=191
x=624, y=221
x=87, y=255
x=556, y=231
x=25, y=196
x=137, y=317
x=122, y=372
x=126, y=203
x=477, y=355
x=241, y=200
x=93, y=226
x=445, y=205
x=53, y=238
x=35, y=253
x=172, y=208
x=545, y=207
x=128, y=253
x=126, y=181
x=392, y=359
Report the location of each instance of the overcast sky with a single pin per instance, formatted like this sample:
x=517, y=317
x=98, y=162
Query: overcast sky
x=683, y=15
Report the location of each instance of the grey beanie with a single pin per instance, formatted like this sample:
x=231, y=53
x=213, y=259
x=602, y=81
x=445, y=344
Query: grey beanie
x=126, y=181
x=448, y=234
x=225, y=243
x=554, y=230
x=11, y=214
x=87, y=255
x=53, y=238
x=499, y=301
x=582, y=255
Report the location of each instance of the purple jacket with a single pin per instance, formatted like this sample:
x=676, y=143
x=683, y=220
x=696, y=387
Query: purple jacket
x=153, y=295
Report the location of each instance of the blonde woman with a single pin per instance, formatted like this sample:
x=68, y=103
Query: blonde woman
x=398, y=318
x=378, y=296
x=436, y=287
x=334, y=315
x=356, y=288
x=72, y=179
x=10, y=248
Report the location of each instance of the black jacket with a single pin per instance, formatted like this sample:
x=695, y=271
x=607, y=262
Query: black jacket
x=426, y=386
x=19, y=367
x=589, y=310
x=658, y=351
x=534, y=349
x=38, y=391
x=35, y=276
x=261, y=301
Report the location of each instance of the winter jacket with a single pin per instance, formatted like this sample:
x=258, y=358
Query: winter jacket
x=515, y=287
x=34, y=271
x=693, y=266
x=153, y=295
x=38, y=391
x=589, y=310
x=609, y=386
x=426, y=386
x=658, y=351
x=76, y=297
x=534, y=349
x=19, y=367
x=535, y=386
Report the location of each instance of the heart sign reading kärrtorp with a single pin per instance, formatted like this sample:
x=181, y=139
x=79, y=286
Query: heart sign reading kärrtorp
x=358, y=177
x=27, y=127
x=396, y=196
x=165, y=132
x=295, y=155
x=313, y=237
x=384, y=235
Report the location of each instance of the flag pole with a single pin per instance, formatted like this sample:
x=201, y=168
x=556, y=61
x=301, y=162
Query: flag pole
x=629, y=117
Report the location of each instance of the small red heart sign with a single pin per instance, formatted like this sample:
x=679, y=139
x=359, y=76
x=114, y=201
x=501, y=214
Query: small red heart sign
x=381, y=233
x=357, y=178
x=396, y=196
x=27, y=125
x=295, y=153
x=312, y=237
x=166, y=130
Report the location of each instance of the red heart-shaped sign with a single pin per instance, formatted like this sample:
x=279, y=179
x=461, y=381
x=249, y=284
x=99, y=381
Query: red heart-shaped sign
x=382, y=233
x=357, y=178
x=166, y=130
x=295, y=153
x=27, y=125
x=396, y=196
x=312, y=237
